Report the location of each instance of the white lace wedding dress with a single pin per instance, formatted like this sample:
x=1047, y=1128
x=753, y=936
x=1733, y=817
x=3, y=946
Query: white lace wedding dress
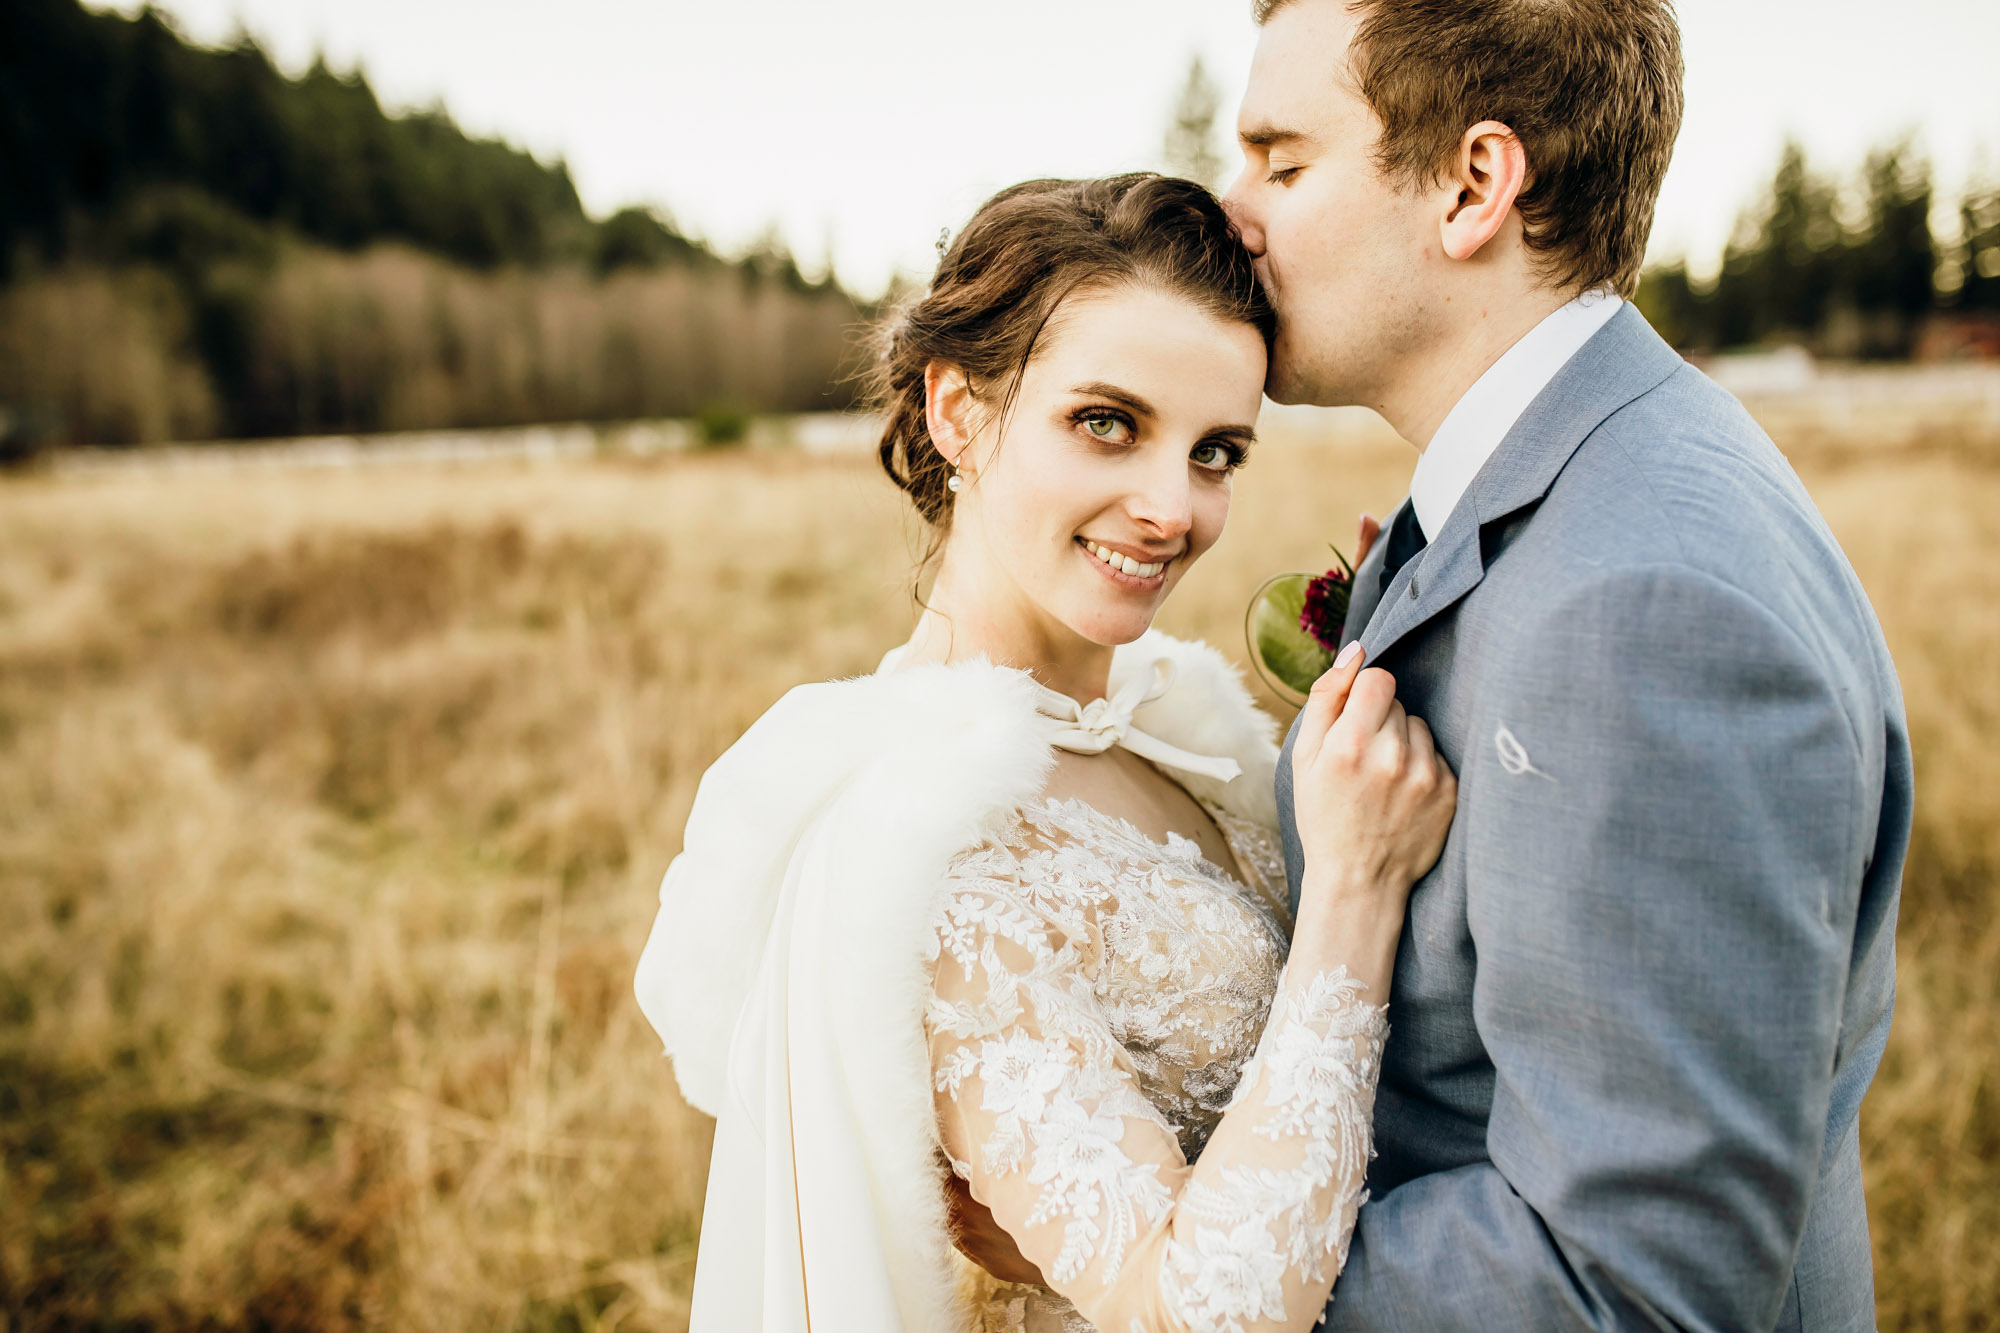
x=1099, y=1000
x=884, y=953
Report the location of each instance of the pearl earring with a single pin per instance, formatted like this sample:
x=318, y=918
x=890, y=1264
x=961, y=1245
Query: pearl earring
x=956, y=484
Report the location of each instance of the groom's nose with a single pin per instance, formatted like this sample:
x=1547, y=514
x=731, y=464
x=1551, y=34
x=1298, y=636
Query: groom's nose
x=1237, y=205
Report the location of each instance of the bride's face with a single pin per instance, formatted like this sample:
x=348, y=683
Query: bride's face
x=1111, y=473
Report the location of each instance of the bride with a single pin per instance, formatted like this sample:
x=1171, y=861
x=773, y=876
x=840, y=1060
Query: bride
x=991, y=947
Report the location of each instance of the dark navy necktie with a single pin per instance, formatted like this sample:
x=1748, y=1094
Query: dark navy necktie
x=1406, y=542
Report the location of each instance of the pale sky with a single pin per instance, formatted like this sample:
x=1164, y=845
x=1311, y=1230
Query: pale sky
x=859, y=128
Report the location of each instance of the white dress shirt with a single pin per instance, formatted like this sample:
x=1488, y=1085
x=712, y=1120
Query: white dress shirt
x=1481, y=419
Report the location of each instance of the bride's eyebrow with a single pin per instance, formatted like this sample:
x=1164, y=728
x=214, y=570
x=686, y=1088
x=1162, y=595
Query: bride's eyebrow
x=1101, y=389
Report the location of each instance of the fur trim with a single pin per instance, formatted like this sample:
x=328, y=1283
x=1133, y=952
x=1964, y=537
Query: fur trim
x=1209, y=710
x=756, y=802
x=905, y=832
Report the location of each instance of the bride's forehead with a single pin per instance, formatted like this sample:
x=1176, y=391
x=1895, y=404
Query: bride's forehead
x=1143, y=338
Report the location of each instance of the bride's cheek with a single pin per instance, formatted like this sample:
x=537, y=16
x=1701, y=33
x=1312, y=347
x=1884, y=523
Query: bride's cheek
x=1208, y=529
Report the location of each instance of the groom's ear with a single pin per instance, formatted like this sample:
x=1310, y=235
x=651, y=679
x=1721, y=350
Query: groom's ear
x=1488, y=176
x=949, y=409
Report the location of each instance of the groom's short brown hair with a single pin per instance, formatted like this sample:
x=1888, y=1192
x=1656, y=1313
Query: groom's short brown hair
x=1591, y=87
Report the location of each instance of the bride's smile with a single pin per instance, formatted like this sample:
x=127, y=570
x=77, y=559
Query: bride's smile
x=1122, y=567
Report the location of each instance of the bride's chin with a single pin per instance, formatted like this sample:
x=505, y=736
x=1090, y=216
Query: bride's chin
x=1113, y=626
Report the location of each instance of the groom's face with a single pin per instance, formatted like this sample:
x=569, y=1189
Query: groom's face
x=1342, y=251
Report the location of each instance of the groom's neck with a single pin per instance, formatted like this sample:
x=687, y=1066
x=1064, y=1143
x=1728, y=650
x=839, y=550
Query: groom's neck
x=1426, y=384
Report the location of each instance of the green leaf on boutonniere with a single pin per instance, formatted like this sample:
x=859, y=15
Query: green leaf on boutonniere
x=1294, y=625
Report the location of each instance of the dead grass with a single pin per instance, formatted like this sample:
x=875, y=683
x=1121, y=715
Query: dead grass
x=332, y=806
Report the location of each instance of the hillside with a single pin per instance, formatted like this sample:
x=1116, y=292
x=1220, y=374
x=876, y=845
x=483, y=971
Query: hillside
x=193, y=243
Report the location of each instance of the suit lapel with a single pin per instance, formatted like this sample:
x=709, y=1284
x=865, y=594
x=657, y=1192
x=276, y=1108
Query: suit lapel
x=1622, y=361
x=1366, y=594
x=1445, y=571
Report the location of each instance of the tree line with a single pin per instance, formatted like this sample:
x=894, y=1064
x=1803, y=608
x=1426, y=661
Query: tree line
x=193, y=243
x=1850, y=270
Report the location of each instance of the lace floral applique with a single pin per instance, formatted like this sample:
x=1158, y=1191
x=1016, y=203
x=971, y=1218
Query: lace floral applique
x=1096, y=1003
x=1321, y=1063
x=1257, y=850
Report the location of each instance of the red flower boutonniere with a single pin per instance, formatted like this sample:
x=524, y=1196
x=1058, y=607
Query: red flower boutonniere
x=1294, y=624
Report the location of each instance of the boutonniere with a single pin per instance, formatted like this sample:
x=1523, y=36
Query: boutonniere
x=1294, y=624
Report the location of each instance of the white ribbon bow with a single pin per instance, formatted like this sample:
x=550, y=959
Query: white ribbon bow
x=1103, y=723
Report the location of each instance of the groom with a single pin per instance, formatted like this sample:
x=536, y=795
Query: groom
x=1639, y=999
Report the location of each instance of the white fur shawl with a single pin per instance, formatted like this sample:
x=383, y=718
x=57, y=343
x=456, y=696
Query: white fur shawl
x=788, y=968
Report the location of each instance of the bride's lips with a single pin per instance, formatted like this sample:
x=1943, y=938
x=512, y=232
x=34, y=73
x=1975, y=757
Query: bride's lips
x=1150, y=575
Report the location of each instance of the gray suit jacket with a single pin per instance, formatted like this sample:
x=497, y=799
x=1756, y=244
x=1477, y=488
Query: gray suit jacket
x=1640, y=997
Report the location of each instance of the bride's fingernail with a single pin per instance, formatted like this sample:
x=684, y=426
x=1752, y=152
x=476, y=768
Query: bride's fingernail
x=1347, y=654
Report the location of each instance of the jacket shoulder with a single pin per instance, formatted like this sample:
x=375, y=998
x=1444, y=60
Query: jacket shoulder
x=1680, y=501
x=1684, y=475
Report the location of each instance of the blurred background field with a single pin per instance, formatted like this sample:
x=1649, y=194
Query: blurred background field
x=332, y=803
x=389, y=538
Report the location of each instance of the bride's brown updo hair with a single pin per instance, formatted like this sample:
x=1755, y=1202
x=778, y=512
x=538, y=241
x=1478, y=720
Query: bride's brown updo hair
x=1027, y=250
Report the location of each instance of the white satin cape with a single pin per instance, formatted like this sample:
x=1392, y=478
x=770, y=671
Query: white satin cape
x=788, y=968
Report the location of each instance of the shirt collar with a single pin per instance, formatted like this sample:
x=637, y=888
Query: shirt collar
x=1477, y=423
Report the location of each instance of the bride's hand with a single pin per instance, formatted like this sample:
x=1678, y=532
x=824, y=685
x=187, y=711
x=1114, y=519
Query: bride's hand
x=1372, y=798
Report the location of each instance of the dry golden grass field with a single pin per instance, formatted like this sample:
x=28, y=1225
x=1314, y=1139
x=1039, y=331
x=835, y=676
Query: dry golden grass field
x=332, y=806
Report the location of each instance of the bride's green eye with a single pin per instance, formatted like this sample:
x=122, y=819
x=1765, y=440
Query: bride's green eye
x=1217, y=456
x=1107, y=426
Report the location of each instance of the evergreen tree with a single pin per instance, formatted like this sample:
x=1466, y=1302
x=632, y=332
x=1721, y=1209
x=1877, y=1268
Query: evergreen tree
x=1795, y=272
x=1781, y=269
x=1670, y=303
x=104, y=119
x=194, y=202
x=644, y=238
x=1979, y=254
x=1190, y=143
x=1891, y=259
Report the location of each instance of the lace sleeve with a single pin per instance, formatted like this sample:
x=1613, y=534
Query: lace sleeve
x=1041, y=1113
